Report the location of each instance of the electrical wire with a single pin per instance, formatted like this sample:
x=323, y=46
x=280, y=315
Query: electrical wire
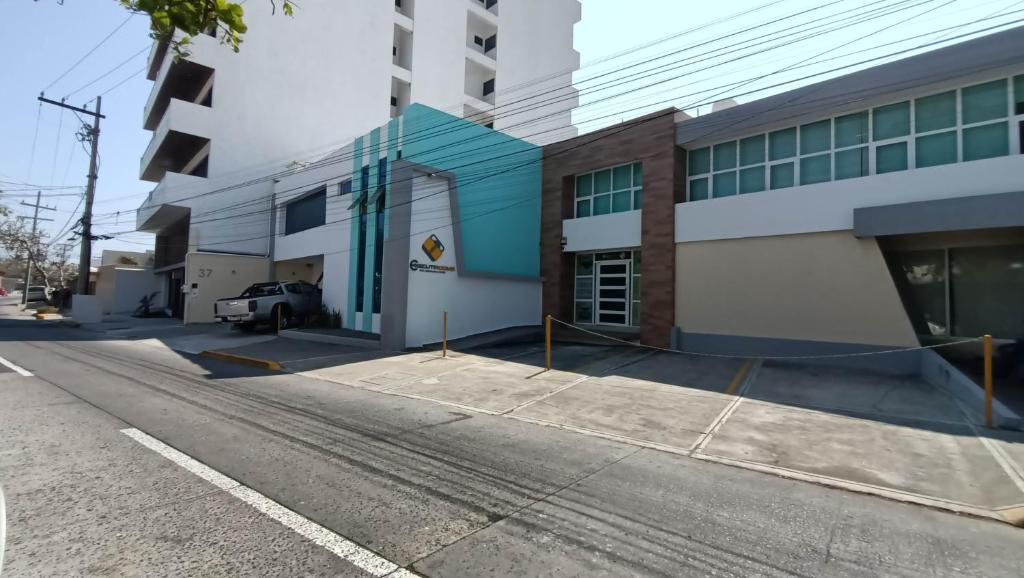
x=87, y=54
x=107, y=73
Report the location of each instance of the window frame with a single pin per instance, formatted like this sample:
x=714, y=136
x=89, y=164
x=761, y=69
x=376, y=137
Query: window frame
x=635, y=200
x=306, y=197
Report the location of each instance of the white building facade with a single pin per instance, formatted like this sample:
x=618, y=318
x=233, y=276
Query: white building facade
x=226, y=124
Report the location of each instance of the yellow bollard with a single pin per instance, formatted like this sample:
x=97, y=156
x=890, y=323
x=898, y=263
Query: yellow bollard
x=988, y=380
x=547, y=341
x=444, y=336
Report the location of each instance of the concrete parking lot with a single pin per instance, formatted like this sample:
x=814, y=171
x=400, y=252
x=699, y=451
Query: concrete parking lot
x=897, y=437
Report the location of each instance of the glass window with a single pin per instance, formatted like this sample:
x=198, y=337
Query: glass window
x=936, y=149
x=638, y=174
x=725, y=156
x=815, y=137
x=816, y=169
x=752, y=179
x=935, y=112
x=700, y=161
x=782, y=175
x=584, y=264
x=583, y=208
x=891, y=121
x=306, y=213
x=986, y=101
x=622, y=201
x=851, y=163
x=782, y=144
x=852, y=129
x=622, y=177
x=699, y=189
x=985, y=288
x=602, y=205
x=602, y=181
x=984, y=142
x=921, y=280
x=584, y=288
x=752, y=150
x=584, y=185
x=725, y=184
x=1018, y=94
x=892, y=157
x=638, y=199
x=584, y=312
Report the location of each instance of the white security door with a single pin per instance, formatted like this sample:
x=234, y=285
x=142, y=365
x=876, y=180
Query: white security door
x=612, y=292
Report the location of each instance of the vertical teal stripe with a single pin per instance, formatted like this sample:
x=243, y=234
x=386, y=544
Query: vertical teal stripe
x=371, y=231
x=353, y=249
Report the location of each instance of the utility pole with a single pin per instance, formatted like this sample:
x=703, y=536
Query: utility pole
x=90, y=190
x=33, y=241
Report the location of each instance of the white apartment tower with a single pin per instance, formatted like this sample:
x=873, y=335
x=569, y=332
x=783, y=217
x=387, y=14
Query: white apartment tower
x=223, y=122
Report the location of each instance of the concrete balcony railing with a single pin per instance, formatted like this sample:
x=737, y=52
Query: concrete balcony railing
x=202, y=52
x=172, y=187
x=182, y=133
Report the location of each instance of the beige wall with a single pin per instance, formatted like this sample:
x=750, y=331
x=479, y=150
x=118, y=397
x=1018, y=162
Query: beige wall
x=818, y=287
x=218, y=276
x=308, y=270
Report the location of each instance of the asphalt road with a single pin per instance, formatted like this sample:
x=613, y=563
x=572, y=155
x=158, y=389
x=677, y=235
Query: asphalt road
x=436, y=491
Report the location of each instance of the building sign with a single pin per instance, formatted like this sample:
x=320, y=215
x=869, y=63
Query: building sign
x=415, y=265
x=433, y=247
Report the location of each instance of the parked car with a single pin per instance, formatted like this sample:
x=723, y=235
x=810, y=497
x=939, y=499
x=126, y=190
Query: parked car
x=38, y=293
x=288, y=301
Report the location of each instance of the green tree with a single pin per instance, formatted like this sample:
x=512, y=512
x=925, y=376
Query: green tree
x=192, y=17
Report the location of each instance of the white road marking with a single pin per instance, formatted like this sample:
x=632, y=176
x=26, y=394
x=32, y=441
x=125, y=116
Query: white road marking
x=20, y=370
x=345, y=549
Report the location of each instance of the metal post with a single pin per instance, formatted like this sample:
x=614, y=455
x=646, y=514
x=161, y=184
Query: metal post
x=988, y=380
x=444, y=335
x=547, y=342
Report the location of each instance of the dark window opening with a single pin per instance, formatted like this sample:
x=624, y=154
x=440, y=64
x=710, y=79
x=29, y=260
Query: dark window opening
x=378, y=254
x=394, y=101
x=346, y=187
x=491, y=43
x=361, y=259
x=306, y=213
x=382, y=172
x=365, y=178
x=203, y=168
x=489, y=87
x=478, y=40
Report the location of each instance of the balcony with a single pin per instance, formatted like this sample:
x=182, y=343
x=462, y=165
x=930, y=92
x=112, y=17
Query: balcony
x=481, y=36
x=183, y=80
x=406, y=9
x=158, y=211
x=401, y=48
x=180, y=142
x=486, y=9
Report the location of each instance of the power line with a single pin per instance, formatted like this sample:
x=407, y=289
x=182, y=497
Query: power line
x=107, y=73
x=87, y=54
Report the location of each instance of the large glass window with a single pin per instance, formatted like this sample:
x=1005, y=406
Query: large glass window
x=936, y=149
x=612, y=190
x=306, y=213
x=607, y=288
x=986, y=141
x=963, y=292
x=892, y=121
x=972, y=123
x=986, y=101
x=584, y=301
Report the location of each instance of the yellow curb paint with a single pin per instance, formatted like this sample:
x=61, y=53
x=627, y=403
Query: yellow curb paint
x=264, y=363
x=739, y=377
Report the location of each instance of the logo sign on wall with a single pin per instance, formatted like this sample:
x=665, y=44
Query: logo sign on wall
x=433, y=248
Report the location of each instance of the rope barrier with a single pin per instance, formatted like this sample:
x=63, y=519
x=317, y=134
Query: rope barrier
x=775, y=357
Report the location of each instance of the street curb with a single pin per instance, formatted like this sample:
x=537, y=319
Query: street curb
x=1007, y=516
x=242, y=360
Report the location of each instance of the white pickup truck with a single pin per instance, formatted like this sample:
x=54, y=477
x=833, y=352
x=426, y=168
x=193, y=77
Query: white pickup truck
x=288, y=301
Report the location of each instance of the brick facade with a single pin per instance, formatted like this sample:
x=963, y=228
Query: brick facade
x=650, y=140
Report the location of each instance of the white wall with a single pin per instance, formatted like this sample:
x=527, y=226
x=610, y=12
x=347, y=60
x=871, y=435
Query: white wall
x=217, y=277
x=829, y=206
x=612, y=231
x=474, y=305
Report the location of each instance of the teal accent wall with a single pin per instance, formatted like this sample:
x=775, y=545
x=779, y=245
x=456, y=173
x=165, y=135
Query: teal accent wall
x=394, y=127
x=498, y=179
x=353, y=249
x=372, y=158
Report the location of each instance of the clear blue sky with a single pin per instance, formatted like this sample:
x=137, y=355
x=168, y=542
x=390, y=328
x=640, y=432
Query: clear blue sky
x=40, y=40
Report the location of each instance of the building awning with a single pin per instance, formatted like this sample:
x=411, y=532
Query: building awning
x=959, y=214
x=376, y=195
x=358, y=199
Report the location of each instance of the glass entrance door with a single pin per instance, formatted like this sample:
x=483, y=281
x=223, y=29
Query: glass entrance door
x=613, y=292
